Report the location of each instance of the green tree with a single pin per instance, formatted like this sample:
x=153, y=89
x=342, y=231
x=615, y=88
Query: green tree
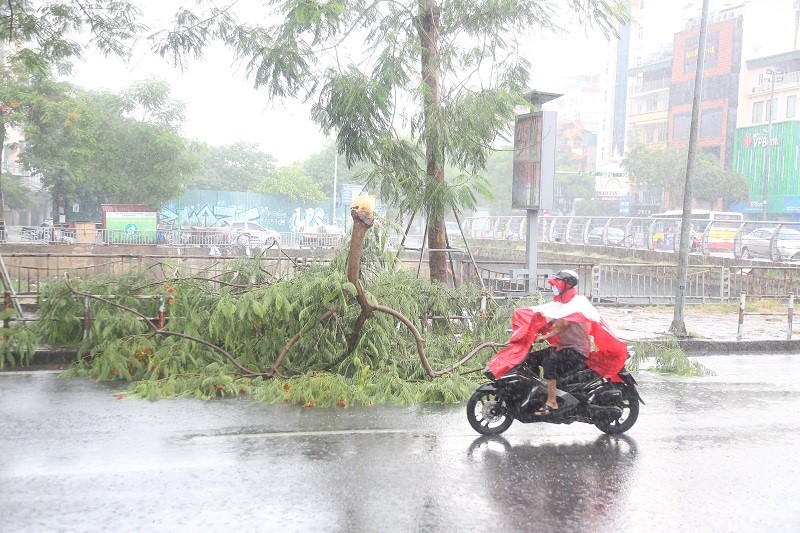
x=240, y=166
x=499, y=169
x=44, y=35
x=666, y=168
x=408, y=87
x=15, y=193
x=291, y=181
x=88, y=151
x=319, y=167
x=571, y=185
x=12, y=114
x=148, y=101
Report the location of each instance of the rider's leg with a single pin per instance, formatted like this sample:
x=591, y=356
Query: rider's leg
x=550, y=364
x=551, y=394
x=555, y=364
x=535, y=358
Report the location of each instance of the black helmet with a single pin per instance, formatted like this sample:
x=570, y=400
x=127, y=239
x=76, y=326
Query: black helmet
x=570, y=278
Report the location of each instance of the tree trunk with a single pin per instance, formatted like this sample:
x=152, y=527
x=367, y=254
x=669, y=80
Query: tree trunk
x=678, y=325
x=428, y=24
x=2, y=199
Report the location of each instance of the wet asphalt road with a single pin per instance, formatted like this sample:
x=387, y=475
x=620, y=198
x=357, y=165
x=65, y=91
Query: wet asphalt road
x=718, y=453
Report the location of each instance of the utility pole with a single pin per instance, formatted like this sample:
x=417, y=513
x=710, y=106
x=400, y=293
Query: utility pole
x=678, y=326
x=2, y=199
x=335, y=179
x=773, y=74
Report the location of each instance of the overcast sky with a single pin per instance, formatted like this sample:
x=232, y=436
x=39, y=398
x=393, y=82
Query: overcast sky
x=222, y=107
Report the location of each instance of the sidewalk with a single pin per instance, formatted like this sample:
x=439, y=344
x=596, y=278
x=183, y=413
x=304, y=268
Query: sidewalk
x=710, y=333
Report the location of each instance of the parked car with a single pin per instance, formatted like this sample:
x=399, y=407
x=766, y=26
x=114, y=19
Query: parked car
x=321, y=236
x=246, y=233
x=616, y=236
x=757, y=244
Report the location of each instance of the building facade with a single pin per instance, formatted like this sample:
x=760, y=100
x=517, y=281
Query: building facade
x=766, y=147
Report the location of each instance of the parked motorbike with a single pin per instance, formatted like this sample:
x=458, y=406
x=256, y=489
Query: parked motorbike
x=583, y=396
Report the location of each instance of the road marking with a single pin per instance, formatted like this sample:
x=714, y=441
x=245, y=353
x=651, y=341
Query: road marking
x=28, y=372
x=304, y=433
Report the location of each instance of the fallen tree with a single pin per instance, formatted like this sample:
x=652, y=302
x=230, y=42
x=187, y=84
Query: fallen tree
x=333, y=334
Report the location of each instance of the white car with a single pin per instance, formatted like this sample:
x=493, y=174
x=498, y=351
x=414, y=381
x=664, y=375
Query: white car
x=758, y=244
x=246, y=233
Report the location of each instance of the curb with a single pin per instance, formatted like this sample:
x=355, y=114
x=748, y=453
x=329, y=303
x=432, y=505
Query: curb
x=50, y=358
x=699, y=348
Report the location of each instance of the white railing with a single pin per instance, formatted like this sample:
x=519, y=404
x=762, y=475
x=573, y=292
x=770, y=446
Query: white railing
x=199, y=237
x=722, y=238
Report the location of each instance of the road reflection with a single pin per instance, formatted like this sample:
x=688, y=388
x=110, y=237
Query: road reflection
x=575, y=486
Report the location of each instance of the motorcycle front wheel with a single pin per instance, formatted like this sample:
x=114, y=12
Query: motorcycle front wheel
x=630, y=412
x=486, y=413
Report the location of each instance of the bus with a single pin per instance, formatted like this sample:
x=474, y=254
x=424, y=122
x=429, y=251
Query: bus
x=720, y=228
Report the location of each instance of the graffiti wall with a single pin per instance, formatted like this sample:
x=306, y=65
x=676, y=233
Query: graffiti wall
x=211, y=209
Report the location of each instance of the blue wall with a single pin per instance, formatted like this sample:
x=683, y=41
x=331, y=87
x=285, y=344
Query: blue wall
x=210, y=208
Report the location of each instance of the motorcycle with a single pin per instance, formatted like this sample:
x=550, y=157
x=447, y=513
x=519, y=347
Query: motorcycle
x=611, y=404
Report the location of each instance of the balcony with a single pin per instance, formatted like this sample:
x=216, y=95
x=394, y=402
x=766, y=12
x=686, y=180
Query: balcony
x=643, y=87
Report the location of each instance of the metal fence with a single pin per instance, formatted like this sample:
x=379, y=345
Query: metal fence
x=24, y=274
x=199, y=237
x=620, y=283
x=652, y=284
x=770, y=241
x=777, y=242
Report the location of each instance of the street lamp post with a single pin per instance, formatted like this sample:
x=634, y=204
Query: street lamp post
x=335, y=179
x=773, y=74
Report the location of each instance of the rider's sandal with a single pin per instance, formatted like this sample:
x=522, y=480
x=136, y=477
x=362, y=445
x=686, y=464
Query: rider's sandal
x=545, y=410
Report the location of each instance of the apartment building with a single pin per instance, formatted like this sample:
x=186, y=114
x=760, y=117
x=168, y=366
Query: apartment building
x=766, y=143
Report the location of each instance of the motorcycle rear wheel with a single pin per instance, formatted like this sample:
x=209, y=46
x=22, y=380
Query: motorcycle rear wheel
x=486, y=413
x=630, y=412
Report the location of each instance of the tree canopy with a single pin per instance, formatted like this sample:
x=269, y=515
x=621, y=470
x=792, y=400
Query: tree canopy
x=320, y=166
x=666, y=168
x=240, y=166
x=45, y=34
x=408, y=87
x=291, y=181
x=39, y=36
x=86, y=148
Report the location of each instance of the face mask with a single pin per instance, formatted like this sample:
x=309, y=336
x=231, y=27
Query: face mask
x=555, y=290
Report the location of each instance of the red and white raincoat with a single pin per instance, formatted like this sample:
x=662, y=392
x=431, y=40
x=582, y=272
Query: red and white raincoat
x=607, y=359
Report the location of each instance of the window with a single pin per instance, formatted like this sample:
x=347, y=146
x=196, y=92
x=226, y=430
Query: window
x=758, y=111
x=773, y=108
x=711, y=124
x=791, y=106
x=713, y=150
x=680, y=127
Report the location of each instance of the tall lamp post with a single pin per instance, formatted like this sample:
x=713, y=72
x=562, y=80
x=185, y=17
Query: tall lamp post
x=775, y=75
x=335, y=179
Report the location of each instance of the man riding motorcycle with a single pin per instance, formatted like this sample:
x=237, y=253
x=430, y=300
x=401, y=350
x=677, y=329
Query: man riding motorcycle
x=567, y=324
x=570, y=345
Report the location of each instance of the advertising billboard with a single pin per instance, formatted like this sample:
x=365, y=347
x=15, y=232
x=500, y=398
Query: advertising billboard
x=534, y=161
x=131, y=226
x=750, y=149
